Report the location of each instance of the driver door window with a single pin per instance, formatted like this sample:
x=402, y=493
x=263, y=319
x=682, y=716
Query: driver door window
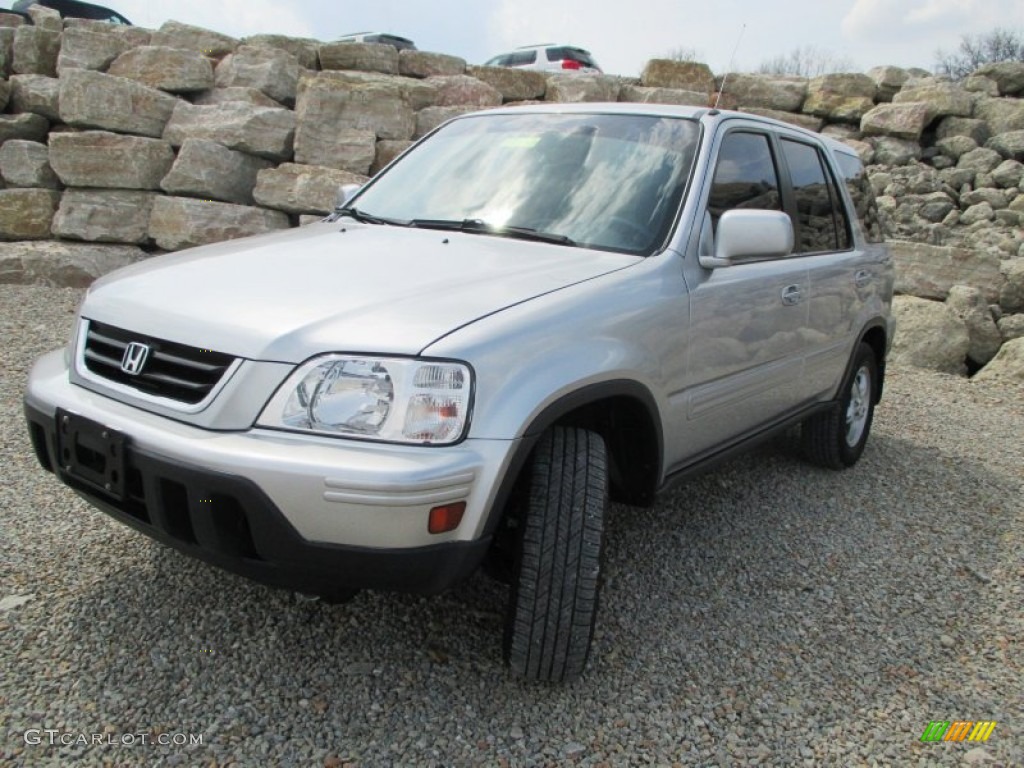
x=745, y=176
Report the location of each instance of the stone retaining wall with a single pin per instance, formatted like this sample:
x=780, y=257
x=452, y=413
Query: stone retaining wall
x=117, y=143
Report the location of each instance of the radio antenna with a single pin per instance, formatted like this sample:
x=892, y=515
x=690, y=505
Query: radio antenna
x=732, y=58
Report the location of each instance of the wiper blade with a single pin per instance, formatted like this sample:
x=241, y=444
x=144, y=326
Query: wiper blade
x=478, y=226
x=363, y=217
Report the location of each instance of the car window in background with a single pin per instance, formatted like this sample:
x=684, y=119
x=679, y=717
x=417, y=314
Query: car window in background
x=568, y=53
x=514, y=59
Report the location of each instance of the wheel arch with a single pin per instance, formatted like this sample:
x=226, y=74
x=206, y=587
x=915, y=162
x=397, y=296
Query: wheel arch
x=625, y=414
x=875, y=336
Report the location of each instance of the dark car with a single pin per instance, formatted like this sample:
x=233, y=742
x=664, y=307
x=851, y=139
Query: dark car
x=72, y=9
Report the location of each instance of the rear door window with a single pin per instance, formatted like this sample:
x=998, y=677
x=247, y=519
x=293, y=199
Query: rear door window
x=821, y=219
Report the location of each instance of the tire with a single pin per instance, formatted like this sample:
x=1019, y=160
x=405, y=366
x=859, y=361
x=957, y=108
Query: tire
x=836, y=438
x=556, y=580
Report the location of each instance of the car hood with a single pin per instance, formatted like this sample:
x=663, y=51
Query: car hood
x=335, y=287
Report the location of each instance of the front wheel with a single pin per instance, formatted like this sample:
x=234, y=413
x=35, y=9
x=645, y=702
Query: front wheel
x=553, y=605
x=836, y=438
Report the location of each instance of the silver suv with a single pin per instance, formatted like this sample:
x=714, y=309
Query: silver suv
x=533, y=310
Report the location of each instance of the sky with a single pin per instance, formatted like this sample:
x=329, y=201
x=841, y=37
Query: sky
x=621, y=36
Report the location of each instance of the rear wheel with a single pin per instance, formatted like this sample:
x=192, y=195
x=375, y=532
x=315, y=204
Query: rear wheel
x=836, y=438
x=553, y=604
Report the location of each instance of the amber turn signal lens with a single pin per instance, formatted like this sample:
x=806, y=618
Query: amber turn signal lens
x=446, y=518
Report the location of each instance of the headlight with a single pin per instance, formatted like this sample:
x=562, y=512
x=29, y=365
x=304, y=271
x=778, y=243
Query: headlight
x=390, y=399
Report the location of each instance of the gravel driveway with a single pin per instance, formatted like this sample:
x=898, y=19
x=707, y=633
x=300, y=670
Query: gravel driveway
x=767, y=613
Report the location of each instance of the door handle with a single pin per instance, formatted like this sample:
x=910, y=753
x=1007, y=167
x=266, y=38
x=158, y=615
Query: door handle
x=792, y=294
x=862, y=278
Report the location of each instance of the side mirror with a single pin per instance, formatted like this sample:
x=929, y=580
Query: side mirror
x=345, y=193
x=750, y=235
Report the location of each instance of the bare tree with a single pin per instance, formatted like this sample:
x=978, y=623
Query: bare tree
x=806, y=61
x=682, y=53
x=1000, y=44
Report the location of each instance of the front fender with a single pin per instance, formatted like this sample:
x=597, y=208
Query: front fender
x=618, y=332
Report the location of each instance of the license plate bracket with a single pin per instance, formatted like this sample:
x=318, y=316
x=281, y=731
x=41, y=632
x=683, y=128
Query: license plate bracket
x=91, y=453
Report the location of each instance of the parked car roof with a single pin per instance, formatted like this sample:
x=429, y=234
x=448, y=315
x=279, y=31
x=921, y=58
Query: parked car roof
x=74, y=9
x=384, y=38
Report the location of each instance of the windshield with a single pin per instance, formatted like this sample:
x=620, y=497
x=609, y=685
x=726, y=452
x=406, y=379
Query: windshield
x=601, y=181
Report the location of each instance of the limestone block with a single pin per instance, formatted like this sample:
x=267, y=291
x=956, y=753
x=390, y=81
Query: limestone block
x=1007, y=367
x=36, y=93
x=104, y=215
x=101, y=159
x=209, y=170
x=64, y=265
x=426, y=64
x=26, y=214
x=27, y=164
x=35, y=51
x=943, y=100
x=930, y=271
x=174, y=34
x=363, y=57
x=305, y=50
x=984, y=338
x=1002, y=115
x=929, y=335
x=237, y=93
x=262, y=131
x=95, y=100
x=778, y=92
x=84, y=48
x=1009, y=76
x=841, y=97
x=903, y=121
x=513, y=84
x=640, y=94
x=273, y=71
x=683, y=75
x=175, y=70
x=302, y=188
x=181, y=222
x=586, y=88
x=464, y=91
x=1009, y=145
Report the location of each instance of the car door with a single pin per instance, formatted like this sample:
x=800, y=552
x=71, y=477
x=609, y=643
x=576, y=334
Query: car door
x=824, y=241
x=748, y=320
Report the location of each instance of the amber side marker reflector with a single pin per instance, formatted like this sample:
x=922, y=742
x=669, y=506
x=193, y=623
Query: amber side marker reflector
x=446, y=518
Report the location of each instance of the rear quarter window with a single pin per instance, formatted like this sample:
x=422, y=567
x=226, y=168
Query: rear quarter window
x=859, y=187
x=572, y=54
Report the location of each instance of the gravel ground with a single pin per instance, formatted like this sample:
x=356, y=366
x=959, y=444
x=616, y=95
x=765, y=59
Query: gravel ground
x=767, y=613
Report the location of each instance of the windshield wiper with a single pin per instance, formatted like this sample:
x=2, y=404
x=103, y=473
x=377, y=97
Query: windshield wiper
x=363, y=217
x=478, y=226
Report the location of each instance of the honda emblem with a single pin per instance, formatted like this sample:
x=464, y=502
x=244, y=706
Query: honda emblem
x=134, y=358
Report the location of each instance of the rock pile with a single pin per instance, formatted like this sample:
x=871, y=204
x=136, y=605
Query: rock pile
x=120, y=142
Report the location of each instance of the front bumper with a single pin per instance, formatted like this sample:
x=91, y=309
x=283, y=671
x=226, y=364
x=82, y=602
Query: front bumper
x=315, y=514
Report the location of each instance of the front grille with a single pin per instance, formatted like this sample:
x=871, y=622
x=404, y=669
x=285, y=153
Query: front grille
x=171, y=370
